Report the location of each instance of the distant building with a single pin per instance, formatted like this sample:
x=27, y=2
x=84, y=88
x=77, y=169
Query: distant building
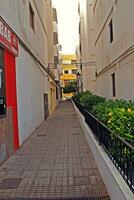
x=68, y=72
x=86, y=52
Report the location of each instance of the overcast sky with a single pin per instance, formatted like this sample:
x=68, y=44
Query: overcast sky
x=67, y=12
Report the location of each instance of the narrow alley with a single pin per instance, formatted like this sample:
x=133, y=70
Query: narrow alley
x=55, y=161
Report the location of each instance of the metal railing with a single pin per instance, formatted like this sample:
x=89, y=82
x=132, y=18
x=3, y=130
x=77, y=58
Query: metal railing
x=80, y=106
x=119, y=151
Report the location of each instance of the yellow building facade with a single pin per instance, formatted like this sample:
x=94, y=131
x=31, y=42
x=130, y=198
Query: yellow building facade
x=68, y=72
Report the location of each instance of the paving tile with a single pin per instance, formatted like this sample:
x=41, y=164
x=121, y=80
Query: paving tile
x=56, y=161
x=10, y=183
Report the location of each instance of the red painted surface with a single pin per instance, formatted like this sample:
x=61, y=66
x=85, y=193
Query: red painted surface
x=8, y=37
x=11, y=94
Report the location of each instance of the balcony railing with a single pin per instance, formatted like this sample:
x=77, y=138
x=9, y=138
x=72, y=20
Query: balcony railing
x=119, y=151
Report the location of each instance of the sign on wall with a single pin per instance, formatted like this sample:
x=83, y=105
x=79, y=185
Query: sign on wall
x=8, y=38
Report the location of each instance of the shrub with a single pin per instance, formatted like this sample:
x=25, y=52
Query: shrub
x=81, y=94
x=121, y=121
x=71, y=87
x=118, y=115
x=89, y=100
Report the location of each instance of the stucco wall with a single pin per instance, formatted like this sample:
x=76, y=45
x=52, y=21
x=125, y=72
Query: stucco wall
x=87, y=44
x=50, y=31
x=31, y=80
x=123, y=32
x=31, y=84
x=114, y=56
x=124, y=81
x=16, y=14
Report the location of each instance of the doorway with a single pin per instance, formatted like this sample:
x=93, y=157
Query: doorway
x=45, y=99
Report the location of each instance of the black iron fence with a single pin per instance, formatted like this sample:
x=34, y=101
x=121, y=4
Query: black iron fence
x=119, y=151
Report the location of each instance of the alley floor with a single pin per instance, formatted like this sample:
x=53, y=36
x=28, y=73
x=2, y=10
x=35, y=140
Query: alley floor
x=55, y=161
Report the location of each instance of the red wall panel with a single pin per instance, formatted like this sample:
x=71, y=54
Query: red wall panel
x=11, y=94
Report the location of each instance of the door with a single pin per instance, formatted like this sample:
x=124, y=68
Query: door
x=11, y=92
x=45, y=98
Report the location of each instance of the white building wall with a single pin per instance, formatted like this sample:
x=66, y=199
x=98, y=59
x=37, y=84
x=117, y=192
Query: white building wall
x=104, y=84
x=116, y=57
x=16, y=14
x=110, y=57
x=31, y=84
x=124, y=81
x=87, y=44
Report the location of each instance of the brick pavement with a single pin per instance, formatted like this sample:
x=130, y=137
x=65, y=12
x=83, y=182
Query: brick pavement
x=55, y=161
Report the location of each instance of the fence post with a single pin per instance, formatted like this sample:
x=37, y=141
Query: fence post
x=85, y=115
x=131, y=170
x=99, y=133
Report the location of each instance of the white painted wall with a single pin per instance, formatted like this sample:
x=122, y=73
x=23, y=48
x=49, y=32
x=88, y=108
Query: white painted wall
x=109, y=56
x=124, y=80
x=87, y=44
x=123, y=30
x=31, y=84
x=16, y=14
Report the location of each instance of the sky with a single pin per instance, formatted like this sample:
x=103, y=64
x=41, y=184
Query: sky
x=67, y=12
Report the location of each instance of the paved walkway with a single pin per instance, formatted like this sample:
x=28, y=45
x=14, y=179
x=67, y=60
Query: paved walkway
x=56, y=161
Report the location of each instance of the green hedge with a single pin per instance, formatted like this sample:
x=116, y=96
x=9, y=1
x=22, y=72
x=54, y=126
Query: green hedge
x=118, y=115
x=71, y=87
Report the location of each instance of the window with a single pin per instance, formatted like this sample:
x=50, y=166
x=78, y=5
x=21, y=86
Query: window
x=31, y=17
x=113, y=85
x=79, y=28
x=79, y=8
x=80, y=48
x=81, y=66
x=74, y=71
x=55, y=15
x=56, y=59
x=73, y=61
x=111, y=30
x=2, y=84
x=57, y=96
x=55, y=38
x=65, y=71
